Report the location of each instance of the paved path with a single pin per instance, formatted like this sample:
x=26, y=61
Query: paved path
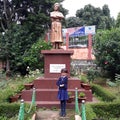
x=49, y=115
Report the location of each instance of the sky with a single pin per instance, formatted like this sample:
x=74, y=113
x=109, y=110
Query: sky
x=74, y=5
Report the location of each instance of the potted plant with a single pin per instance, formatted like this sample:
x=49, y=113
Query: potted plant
x=71, y=97
x=84, y=82
x=14, y=98
x=19, y=90
x=28, y=86
x=86, y=86
x=83, y=78
x=81, y=96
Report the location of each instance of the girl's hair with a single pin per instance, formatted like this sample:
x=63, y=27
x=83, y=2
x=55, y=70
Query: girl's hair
x=64, y=70
x=57, y=4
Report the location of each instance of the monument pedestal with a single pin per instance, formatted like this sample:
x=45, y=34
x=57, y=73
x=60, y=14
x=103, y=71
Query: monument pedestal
x=55, y=60
x=46, y=88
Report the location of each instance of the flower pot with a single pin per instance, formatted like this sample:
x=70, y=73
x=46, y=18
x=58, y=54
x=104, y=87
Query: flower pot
x=14, y=98
x=28, y=86
x=85, y=86
x=71, y=99
x=81, y=98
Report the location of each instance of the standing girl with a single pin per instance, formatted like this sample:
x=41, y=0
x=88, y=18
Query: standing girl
x=62, y=92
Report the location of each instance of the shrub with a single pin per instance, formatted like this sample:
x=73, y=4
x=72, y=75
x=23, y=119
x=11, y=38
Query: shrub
x=5, y=95
x=81, y=94
x=8, y=110
x=92, y=74
x=83, y=78
x=90, y=114
x=107, y=110
x=104, y=94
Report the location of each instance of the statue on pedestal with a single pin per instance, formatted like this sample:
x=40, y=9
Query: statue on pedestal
x=56, y=27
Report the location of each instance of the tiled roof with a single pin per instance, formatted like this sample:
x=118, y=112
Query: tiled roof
x=80, y=53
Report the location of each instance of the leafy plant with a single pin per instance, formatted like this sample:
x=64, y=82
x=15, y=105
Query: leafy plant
x=33, y=57
x=117, y=79
x=83, y=78
x=69, y=93
x=107, y=51
x=92, y=74
x=81, y=94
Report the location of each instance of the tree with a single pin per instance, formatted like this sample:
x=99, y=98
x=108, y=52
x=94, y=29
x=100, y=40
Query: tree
x=73, y=22
x=23, y=22
x=89, y=15
x=33, y=56
x=13, y=45
x=107, y=51
x=118, y=20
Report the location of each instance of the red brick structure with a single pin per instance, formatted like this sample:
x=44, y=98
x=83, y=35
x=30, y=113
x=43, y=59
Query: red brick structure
x=57, y=57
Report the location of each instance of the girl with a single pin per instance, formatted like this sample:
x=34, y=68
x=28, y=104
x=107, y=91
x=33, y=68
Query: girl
x=62, y=92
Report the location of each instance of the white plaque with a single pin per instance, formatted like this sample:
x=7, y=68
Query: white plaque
x=56, y=68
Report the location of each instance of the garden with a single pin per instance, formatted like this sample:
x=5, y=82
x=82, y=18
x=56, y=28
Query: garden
x=105, y=109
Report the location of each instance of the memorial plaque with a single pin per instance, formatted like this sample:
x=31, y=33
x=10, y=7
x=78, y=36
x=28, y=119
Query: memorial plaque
x=56, y=68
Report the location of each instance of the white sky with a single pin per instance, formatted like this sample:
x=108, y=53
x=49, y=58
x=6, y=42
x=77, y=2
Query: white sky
x=74, y=5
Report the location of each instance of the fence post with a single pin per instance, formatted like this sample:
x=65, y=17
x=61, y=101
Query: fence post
x=83, y=110
x=33, y=96
x=77, y=111
x=33, y=100
x=21, y=111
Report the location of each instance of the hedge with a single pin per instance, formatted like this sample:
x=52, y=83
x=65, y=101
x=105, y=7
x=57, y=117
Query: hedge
x=9, y=110
x=103, y=93
x=107, y=110
x=90, y=114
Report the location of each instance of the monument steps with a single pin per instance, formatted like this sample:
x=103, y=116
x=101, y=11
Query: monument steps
x=48, y=97
x=52, y=104
x=51, y=83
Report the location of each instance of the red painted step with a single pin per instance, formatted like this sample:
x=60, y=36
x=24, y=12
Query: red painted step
x=51, y=83
x=51, y=94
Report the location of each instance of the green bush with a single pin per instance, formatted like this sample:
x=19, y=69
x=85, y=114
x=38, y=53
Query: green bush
x=5, y=95
x=107, y=110
x=8, y=111
x=103, y=93
x=90, y=114
x=92, y=74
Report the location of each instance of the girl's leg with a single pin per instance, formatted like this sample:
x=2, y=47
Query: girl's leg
x=64, y=108
x=61, y=108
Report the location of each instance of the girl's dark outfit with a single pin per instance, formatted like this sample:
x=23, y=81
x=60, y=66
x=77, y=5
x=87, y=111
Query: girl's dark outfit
x=62, y=93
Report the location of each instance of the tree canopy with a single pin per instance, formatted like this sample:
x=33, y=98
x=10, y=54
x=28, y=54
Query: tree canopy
x=107, y=50
x=90, y=15
x=118, y=20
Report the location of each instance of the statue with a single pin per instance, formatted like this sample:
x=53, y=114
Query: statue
x=56, y=27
